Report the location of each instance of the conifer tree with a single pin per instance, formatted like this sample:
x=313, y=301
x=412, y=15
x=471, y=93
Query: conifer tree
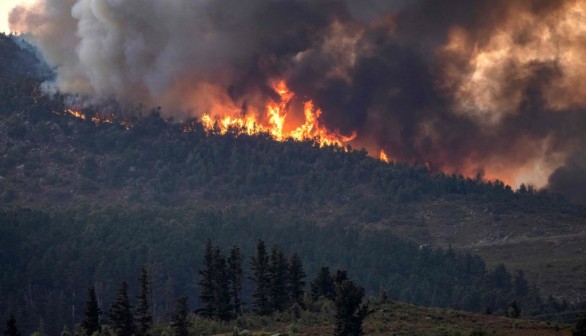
x=206, y=282
x=143, y=317
x=580, y=327
x=278, y=269
x=11, y=329
x=513, y=310
x=260, y=276
x=323, y=284
x=235, y=278
x=179, y=322
x=341, y=276
x=120, y=313
x=350, y=312
x=296, y=279
x=91, y=322
x=221, y=290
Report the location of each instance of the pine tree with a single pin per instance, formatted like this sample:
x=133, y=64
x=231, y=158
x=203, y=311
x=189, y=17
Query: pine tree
x=235, y=279
x=206, y=282
x=278, y=269
x=350, y=312
x=260, y=276
x=513, y=310
x=179, y=322
x=580, y=327
x=323, y=285
x=296, y=279
x=11, y=329
x=91, y=322
x=143, y=317
x=221, y=290
x=120, y=313
x=340, y=277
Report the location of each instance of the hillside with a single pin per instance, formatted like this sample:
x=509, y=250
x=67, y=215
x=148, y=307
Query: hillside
x=59, y=161
x=394, y=318
x=87, y=201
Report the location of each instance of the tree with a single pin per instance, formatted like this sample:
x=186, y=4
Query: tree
x=341, y=276
x=206, y=282
x=91, y=322
x=580, y=327
x=350, y=312
x=513, y=310
x=520, y=285
x=143, y=317
x=235, y=278
x=296, y=279
x=260, y=276
x=221, y=290
x=120, y=313
x=278, y=269
x=11, y=329
x=179, y=322
x=323, y=284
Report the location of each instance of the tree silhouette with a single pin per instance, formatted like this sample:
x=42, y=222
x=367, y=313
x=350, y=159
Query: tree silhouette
x=120, y=313
x=221, y=290
x=350, y=312
x=206, y=282
x=143, y=317
x=179, y=322
x=278, y=269
x=260, y=276
x=235, y=278
x=323, y=284
x=296, y=279
x=580, y=327
x=91, y=322
x=11, y=329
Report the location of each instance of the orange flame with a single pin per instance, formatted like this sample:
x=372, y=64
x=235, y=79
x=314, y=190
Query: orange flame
x=383, y=156
x=98, y=118
x=76, y=114
x=277, y=124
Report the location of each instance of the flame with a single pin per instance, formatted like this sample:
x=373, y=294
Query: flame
x=383, y=156
x=98, y=118
x=276, y=123
x=76, y=114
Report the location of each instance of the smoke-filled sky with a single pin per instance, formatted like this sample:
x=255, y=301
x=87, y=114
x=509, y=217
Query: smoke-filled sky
x=492, y=87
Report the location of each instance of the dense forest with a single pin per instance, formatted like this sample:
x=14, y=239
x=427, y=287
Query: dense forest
x=86, y=201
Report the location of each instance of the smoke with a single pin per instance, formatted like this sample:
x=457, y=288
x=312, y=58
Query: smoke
x=493, y=87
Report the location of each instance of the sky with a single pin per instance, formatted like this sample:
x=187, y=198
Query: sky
x=5, y=7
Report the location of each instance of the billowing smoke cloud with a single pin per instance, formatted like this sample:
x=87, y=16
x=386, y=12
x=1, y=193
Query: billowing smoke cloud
x=496, y=87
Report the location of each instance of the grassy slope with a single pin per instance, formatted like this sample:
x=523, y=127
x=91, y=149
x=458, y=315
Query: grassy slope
x=549, y=247
x=394, y=318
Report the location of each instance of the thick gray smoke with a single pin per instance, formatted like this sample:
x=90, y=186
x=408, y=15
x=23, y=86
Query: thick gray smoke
x=489, y=86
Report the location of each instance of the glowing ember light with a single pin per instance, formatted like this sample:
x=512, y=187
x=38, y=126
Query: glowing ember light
x=76, y=114
x=276, y=122
x=98, y=118
x=383, y=156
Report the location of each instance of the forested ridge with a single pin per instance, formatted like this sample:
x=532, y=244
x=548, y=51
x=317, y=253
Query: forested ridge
x=86, y=204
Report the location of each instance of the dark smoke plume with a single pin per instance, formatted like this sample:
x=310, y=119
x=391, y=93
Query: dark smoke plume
x=495, y=87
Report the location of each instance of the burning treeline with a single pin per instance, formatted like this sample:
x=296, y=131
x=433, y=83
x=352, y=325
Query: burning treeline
x=495, y=87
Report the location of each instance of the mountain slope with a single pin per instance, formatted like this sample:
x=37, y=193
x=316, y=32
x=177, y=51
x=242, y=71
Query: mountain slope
x=131, y=188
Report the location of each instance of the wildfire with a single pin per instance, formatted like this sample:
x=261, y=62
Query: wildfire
x=383, y=156
x=99, y=118
x=76, y=114
x=274, y=121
